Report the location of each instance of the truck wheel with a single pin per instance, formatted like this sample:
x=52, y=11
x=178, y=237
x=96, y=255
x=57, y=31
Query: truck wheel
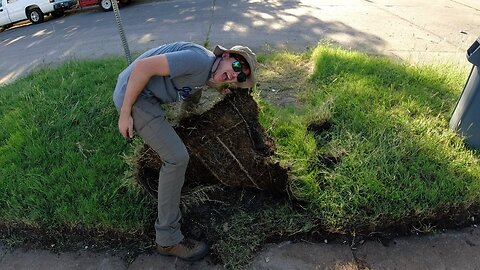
x=106, y=5
x=35, y=15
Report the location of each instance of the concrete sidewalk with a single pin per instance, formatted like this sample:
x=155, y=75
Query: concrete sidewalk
x=416, y=31
x=446, y=250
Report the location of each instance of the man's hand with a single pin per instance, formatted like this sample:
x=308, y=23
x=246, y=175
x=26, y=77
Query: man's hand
x=125, y=125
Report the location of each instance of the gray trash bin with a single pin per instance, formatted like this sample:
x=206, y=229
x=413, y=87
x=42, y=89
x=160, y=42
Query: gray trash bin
x=466, y=115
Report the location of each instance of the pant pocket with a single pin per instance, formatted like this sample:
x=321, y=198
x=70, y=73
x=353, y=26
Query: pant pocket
x=144, y=111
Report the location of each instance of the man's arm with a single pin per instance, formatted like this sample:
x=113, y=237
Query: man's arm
x=142, y=71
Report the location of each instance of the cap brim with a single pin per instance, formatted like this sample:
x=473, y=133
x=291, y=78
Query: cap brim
x=219, y=50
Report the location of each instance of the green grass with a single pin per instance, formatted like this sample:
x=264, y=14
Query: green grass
x=395, y=156
x=386, y=157
x=61, y=159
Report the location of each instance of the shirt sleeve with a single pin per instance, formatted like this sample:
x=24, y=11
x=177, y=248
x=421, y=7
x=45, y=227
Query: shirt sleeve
x=186, y=62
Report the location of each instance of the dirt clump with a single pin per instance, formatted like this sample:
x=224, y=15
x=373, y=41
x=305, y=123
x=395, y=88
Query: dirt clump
x=227, y=145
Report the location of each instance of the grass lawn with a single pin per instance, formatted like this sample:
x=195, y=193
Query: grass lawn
x=369, y=142
x=61, y=159
x=366, y=138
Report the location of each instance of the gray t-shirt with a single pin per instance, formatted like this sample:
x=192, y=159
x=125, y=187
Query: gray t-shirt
x=190, y=66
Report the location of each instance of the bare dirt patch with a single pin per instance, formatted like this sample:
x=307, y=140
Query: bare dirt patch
x=227, y=145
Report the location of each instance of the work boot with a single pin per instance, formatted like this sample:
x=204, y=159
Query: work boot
x=188, y=249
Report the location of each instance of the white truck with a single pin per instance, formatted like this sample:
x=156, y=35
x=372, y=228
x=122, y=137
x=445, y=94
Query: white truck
x=12, y=11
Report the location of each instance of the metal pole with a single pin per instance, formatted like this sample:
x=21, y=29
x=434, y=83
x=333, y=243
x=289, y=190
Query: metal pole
x=118, y=19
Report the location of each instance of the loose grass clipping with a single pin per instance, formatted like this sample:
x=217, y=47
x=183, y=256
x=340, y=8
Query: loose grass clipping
x=226, y=144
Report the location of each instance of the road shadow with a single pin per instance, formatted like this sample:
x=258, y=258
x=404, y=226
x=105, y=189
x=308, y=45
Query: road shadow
x=290, y=25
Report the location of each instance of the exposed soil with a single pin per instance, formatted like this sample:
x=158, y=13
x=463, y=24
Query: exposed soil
x=227, y=145
x=203, y=221
x=206, y=221
x=64, y=239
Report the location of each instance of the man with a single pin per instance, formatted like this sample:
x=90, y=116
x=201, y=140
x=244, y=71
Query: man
x=170, y=73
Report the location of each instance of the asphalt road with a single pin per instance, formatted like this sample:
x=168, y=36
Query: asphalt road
x=411, y=30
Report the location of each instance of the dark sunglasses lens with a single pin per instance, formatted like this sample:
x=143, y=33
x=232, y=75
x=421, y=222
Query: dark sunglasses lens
x=237, y=66
x=241, y=77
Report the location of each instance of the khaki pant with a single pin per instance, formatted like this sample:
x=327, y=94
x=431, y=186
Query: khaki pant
x=150, y=123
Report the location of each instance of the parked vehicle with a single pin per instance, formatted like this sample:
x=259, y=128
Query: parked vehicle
x=12, y=11
x=105, y=5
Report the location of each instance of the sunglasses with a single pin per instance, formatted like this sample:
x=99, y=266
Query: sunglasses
x=237, y=67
